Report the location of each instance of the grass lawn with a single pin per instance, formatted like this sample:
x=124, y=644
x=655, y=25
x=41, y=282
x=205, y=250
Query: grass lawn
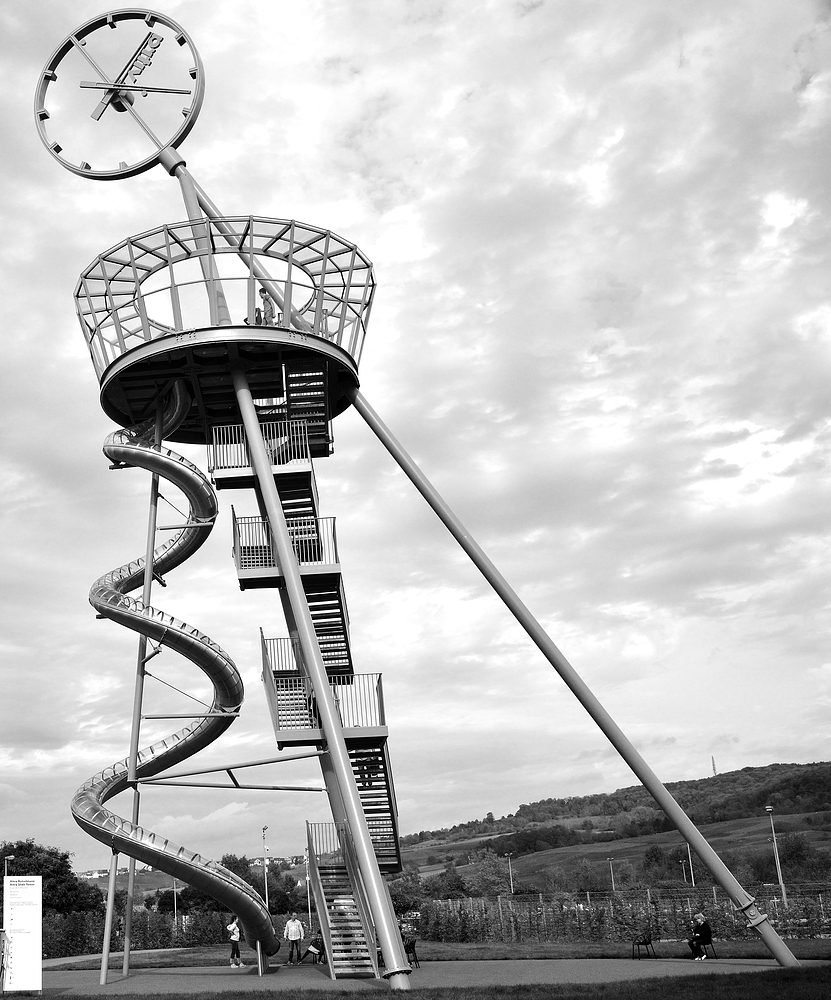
x=790, y=984
x=440, y=951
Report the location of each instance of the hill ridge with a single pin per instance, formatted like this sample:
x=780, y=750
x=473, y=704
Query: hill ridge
x=631, y=811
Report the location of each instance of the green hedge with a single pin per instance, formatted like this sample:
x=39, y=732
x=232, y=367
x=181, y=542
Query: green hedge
x=66, y=934
x=615, y=917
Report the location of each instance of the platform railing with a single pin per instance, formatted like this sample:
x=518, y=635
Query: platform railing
x=319, y=898
x=151, y=285
x=313, y=539
x=281, y=654
x=358, y=698
x=287, y=443
x=324, y=845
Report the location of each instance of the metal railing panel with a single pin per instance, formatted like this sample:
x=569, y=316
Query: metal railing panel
x=313, y=540
x=282, y=655
x=325, y=845
x=296, y=703
x=320, y=901
x=287, y=442
x=355, y=695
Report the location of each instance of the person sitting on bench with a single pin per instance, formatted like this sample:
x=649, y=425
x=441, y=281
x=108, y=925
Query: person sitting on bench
x=701, y=935
x=315, y=949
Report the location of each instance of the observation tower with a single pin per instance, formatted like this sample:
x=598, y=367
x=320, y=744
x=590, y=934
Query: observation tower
x=244, y=334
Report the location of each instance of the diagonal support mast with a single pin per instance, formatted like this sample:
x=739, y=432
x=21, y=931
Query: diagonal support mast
x=741, y=899
x=386, y=925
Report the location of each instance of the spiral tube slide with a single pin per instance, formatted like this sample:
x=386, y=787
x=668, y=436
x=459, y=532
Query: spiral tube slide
x=133, y=446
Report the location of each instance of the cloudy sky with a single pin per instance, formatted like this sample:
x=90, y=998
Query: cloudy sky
x=601, y=234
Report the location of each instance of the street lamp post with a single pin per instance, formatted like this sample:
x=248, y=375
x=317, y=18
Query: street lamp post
x=689, y=857
x=6, y=860
x=510, y=873
x=769, y=811
x=175, y=912
x=265, y=869
x=683, y=863
x=612, y=871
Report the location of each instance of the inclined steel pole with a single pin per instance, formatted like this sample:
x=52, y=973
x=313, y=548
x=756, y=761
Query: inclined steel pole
x=741, y=899
x=386, y=925
x=108, y=917
x=138, y=697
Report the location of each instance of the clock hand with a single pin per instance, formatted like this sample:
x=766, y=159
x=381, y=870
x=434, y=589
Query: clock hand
x=91, y=85
x=138, y=119
x=108, y=97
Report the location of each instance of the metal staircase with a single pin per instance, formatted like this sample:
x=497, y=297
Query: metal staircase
x=349, y=952
x=371, y=766
x=341, y=905
x=307, y=400
x=340, y=902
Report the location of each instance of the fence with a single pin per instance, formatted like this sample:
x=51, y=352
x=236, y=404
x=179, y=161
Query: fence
x=616, y=916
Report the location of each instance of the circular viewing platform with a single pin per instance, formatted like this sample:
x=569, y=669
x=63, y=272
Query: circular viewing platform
x=288, y=301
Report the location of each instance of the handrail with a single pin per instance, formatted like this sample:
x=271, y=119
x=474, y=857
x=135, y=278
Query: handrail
x=393, y=802
x=359, y=892
x=320, y=902
x=270, y=688
x=141, y=289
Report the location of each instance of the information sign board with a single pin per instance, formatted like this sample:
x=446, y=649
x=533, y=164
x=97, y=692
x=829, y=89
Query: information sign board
x=22, y=923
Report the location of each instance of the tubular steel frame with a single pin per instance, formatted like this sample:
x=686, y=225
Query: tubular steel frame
x=143, y=301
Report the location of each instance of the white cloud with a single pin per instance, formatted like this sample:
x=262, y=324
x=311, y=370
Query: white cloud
x=602, y=327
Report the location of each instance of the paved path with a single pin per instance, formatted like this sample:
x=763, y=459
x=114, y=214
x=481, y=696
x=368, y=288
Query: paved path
x=309, y=977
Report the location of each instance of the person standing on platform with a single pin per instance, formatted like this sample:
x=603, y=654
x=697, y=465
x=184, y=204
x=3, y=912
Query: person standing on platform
x=269, y=312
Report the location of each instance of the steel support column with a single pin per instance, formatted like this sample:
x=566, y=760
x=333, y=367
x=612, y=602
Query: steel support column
x=138, y=696
x=741, y=899
x=386, y=925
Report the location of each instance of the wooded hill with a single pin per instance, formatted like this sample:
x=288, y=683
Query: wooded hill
x=631, y=812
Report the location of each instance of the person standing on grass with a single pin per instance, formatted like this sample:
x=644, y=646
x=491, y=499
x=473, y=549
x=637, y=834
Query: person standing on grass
x=293, y=933
x=233, y=930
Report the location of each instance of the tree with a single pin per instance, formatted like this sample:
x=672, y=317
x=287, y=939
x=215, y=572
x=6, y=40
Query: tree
x=489, y=875
x=406, y=891
x=448, y=885
x=284, y=894
x=162, y=901
x=239, y=866
x=63, y=891
x=193, y=900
